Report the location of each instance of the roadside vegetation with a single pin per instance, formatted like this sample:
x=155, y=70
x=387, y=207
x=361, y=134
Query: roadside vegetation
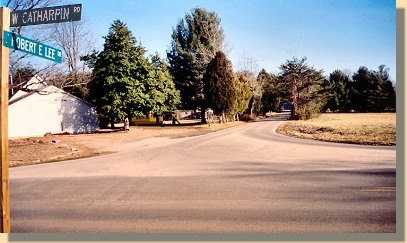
x=358, y=128
x=196, y=75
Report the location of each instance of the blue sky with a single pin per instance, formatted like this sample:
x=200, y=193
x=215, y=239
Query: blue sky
x=332, y=34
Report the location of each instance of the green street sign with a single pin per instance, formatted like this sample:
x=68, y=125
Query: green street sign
x=20, y=43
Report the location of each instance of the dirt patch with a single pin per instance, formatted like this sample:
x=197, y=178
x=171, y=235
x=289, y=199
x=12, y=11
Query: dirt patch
x=37, y=150
x=44, y=149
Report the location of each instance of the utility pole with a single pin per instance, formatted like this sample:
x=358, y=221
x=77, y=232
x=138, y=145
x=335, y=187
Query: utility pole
x=4, y=78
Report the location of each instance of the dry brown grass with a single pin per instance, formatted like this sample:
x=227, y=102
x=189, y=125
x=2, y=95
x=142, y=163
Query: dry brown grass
x=359, y=128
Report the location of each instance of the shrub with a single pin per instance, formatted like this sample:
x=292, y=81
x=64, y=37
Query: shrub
x=246, y=117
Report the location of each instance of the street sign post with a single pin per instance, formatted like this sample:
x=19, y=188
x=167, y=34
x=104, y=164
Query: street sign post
x=11, y=40
x=20, y=43
x=49, y=15
x=4, y=79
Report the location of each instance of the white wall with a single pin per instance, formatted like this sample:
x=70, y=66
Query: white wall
x=77, y=116
x=56, y=112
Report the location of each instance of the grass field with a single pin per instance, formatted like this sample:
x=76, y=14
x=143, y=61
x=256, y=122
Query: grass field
x=359, y=128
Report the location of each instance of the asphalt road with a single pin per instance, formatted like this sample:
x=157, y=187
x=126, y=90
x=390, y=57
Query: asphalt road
x=242, y=179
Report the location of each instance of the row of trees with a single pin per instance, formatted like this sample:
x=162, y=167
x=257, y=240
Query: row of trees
x=365, y=91
x=122, y=82
x=310, y=92
x=203, y=74
x=205, y=78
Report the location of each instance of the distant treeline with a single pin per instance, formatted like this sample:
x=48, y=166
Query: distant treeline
x=366, y=91
x=197, y=74
x=308, y=92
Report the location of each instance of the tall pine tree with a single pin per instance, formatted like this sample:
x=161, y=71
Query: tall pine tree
x=195, y=41
x=339, y=92
x=120, y=73
x=372, y=91
x=303, y=87
x=269, y=99
x=164, y=96
x=219, y=85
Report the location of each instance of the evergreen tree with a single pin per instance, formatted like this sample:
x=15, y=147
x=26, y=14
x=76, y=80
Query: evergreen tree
x=78, y=90
x=219, y=85
x=387, y=93
x=363, y=92
x=372, y=91
x=120, y=73
x=195, y=41
x=339, y=92
x=303, y=85
x=269, y=98
x=165, y=97
x=243, y=95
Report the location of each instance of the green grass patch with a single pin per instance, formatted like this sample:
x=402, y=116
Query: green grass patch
x=359, y=128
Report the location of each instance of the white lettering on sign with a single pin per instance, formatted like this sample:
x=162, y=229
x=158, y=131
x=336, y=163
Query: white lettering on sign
x=47, y=15
x=26, y=45
x=40, y=50
x=23, y=18
x=66, y=13
x=14, y=17
x=29, y=46
x=57, y=12
x=50, y=53
x=51, y=14
x=21, y=43
x=30, y=18
x=41, y=15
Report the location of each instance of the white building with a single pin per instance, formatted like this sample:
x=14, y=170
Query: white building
x=48, y=109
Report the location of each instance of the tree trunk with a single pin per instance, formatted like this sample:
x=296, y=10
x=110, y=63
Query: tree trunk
x=157, y=120
x=112, y=123
x=223, y=120
x=293, y=112
x=203, y=118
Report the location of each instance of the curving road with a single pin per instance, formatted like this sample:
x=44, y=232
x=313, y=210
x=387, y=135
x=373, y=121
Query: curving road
x=242, y=179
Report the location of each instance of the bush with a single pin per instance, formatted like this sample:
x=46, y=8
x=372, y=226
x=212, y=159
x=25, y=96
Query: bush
x=306, y=113
x=245, y=118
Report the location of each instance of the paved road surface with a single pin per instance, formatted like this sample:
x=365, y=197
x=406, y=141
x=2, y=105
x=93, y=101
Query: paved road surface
x=242, y=179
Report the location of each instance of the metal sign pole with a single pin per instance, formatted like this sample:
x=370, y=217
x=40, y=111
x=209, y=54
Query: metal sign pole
x=4, y=77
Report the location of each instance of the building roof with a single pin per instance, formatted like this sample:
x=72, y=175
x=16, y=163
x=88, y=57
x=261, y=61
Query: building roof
x=36, y=85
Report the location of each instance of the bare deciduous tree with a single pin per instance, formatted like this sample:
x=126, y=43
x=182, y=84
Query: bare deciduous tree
x=249, y=68
x=75, y=39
